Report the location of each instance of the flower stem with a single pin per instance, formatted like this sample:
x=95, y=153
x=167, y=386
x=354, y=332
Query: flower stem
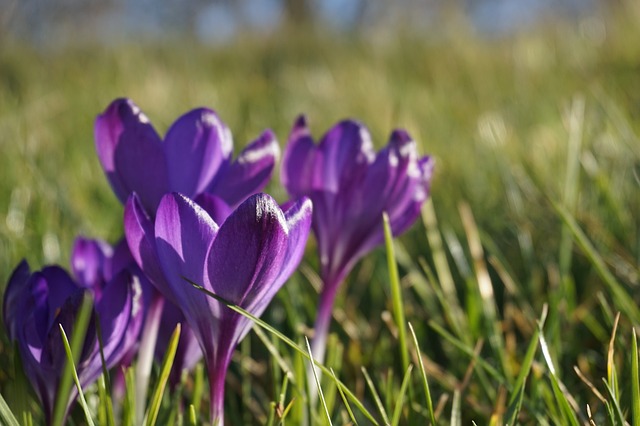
x=146, y=352
x=217, y=376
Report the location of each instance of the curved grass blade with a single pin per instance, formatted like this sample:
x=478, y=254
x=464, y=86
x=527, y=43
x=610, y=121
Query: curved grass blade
x=6, y=415
x=618, y=417
x=77, y=339
x=425, y=382
x=317, y=380
x=376, y=396
x=289, y=343
x=395, y=419
x=167, y=363
x=82, y=400
x=344, y=399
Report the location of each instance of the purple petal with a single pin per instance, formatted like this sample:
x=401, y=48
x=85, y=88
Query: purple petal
x=119, y=304
x=184, y=232
x=246, y=256
x=298, y=219
x=215, y=206
x=141, y=240
x=88, y=258
x=299, y=171
x=14, y=303
x=345, y=152
x=195, y=147
x=250, y=172
x=131, y=154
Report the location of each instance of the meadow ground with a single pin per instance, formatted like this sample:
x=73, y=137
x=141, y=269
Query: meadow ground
x=512, y=282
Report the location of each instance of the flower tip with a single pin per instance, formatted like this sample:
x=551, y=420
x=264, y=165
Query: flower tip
x=301, y=122
x=400, y=136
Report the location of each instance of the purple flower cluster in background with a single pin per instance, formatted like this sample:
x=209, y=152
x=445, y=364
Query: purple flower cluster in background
x=193, y=215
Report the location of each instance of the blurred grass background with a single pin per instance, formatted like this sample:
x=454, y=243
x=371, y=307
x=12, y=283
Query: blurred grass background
x=506, y=119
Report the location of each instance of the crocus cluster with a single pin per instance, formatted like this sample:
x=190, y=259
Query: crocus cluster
x=194, y=217
x=35, y=303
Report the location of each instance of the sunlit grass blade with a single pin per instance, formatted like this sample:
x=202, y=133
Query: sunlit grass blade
x=612, y=375
x=376, y=396
x=423, y=375
x=515, y=401
x=291, y=344
x=456, y=413
x=167, y=362
x=6, y=415
x=193, y=417
x=81, y=398
x=566, y=411
x=635, y=381
x=397, y=412
x=317, y=380
x=396, y=293
x=77, y=339
x=129, y=406
x=198, y=387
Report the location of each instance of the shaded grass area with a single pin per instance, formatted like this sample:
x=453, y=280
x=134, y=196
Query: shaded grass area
x=536, y=203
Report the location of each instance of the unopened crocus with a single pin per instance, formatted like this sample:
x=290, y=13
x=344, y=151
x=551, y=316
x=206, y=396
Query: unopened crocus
x=194, y=158
x=36, y=303
x=350, y=187
x=246, y=260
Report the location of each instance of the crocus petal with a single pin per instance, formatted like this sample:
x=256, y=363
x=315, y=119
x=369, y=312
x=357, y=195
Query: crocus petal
x=140, y=236
x=298, y=219
x=345, y=153
x=115, y=309
x=131, y=154
x=184, y=232
x=299, y=172
x=13, y=306
x=215, y=206
x=195, y=147
x=247, y=254
x=88, y=259
x=250, y=172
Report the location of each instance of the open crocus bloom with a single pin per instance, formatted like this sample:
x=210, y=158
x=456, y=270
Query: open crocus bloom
x=350, y=187
x=194, y=158
x=245, y=261
x=35, y=303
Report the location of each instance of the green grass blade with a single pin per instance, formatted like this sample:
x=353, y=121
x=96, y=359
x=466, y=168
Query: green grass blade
x=6, y=415
x=193, y=417
x=376, y=396
x=167, y=362
x=317, y=380
x=635, y=381
x=397, y=412
x=77, y=339
x=567, y=412
x=456, y=414
x=615, y=405
x=515, y=402
x=344, y=400
x=104, y=384
x=425, y=381
x=396, y=293
x=289, y=343
x=198, y=387
x=82, y=400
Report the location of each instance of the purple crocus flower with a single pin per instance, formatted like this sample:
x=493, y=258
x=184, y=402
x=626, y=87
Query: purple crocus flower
x=194, y=158
x=245, y=261
x=36, y=302
x=351, y=187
